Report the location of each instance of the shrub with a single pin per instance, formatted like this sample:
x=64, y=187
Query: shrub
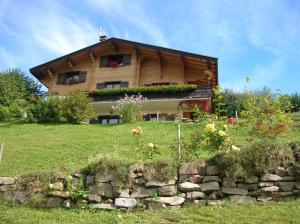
x=144, y=90
x=77, y=107
x=4, y=113
x=295, y=101
x=45, y=111
x=257, y=157
x=130, y=108
x=265, y=114
x=232, y=102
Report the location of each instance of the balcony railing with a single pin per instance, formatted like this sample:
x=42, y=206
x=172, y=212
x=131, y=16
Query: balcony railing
x=153, y=92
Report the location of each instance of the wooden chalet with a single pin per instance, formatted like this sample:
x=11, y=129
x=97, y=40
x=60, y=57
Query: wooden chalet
x=118, y=63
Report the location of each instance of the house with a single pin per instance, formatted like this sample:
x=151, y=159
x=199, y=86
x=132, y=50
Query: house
x=116, y=63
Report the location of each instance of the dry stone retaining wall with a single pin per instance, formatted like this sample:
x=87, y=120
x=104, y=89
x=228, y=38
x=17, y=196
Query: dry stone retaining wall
x=196, y=182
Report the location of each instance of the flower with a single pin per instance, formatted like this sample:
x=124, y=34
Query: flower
x=151, y=145
x=137, y=131
x=222, y=133
x=234, y=148
x=50, y=186
x=225, y=126
x=210, y=127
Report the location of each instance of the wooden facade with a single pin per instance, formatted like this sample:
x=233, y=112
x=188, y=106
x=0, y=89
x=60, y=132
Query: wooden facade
x=149, y=65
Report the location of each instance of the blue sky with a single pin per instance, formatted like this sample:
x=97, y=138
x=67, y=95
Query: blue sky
x=255, y=38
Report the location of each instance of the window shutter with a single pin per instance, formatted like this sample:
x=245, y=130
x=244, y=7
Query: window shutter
x=126, y=59
x=104, y=61
x=100, y=85
x=82, y=77
x=61, y=79
x=124, y=84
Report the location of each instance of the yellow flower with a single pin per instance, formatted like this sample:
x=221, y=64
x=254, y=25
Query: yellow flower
x=210, y=127
x=222, y=133
x=225, y=126
x=137, y=131
x=234, y=148
x=151, y=145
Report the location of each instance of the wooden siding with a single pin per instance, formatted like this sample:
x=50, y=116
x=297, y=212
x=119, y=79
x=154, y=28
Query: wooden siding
x=147, y=66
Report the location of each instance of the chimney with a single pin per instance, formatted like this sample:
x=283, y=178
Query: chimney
x=103, y=38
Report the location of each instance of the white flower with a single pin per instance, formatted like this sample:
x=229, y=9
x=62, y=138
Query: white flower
x=234, y=148
x=222, y=133
x=50, y=186
x=151, y=145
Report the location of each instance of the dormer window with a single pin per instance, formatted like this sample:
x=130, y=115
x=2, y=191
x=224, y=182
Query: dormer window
x=115, y=60
x=70, y=78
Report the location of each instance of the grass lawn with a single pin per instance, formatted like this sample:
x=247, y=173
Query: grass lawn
x=276, y=213
x=66, y=148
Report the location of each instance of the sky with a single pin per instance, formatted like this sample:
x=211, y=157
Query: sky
x=259, y=39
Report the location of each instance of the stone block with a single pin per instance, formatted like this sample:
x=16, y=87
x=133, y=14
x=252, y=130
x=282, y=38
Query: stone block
x=227, y=182
x=212, y=170
x=54, y=202
x=270, y=189
x=285, y=186
x=153, y=183
x=250, y=187
x=7, y=180
x=280, y=171
x=102, y=206
x=196, y=179
x=167, y=190
x=265, y=184
x=215, y=195
x=195, y=195
x=211, y=186
x=234, y=191
x=103, y=189
x=207, y=179
x=241, y=199
x=188, y=186
x=125, y=202
x=271, y=177
x=141, y=192
x=66, y=203
x=251, y=180
x=94, y=198
x=155, y=205
x=89, y=180
x=104, y=177
x=173, y=201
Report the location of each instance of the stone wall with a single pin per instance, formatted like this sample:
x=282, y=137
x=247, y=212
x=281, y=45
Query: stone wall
x=195, y=182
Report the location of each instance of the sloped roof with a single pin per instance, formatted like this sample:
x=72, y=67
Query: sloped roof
x=35, y=69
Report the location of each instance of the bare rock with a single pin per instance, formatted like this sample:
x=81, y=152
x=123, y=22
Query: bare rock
x=90, y=180
x=227, y=182
x=250, y=187
x=54, y=202
x=265, y=184
x=103, y=189
x=196, y=179
x=176, y=200
x=94, y=198
x=251, y=180
x=104, y=177
x=7, y=180
x=124, y=193
x=280, y=171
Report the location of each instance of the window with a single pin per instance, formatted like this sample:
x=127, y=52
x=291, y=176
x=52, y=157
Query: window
x=70, y=78
x=108, y=119
x=111, y=85
x=116, y=60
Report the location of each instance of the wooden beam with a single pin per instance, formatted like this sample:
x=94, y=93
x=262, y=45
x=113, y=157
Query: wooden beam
x=160, y=63
x=71, y=64
x=92, y=56
x=50, y=73
x=114, y=46
x=138, y=62
x=184, y=68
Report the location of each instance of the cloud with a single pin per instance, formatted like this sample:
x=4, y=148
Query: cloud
x=132, y=13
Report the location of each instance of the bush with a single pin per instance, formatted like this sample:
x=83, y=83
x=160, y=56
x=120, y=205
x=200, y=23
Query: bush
x=258, y=157
x=77, y=107
x=144, y=90
x=4, y=113
x=45, y=111
x=130, y=108
x=295, y=101
x=232, y=102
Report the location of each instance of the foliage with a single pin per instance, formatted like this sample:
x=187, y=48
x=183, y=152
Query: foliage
x=265, y=114
x=199, y=114
x=77, y=107
x=143, y=151
x=45, y=111
x=144, y=90
x=4, y=113
x=232, y=102
x=218, y=101
x=295, y=101
x=130, y=108
x=259, y=156
x=15, y=85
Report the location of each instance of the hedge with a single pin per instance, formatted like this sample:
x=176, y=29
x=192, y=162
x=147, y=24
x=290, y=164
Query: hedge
x=174, y=89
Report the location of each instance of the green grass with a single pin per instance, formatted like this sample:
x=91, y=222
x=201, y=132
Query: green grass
x=66, y=148
x=276, y=213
